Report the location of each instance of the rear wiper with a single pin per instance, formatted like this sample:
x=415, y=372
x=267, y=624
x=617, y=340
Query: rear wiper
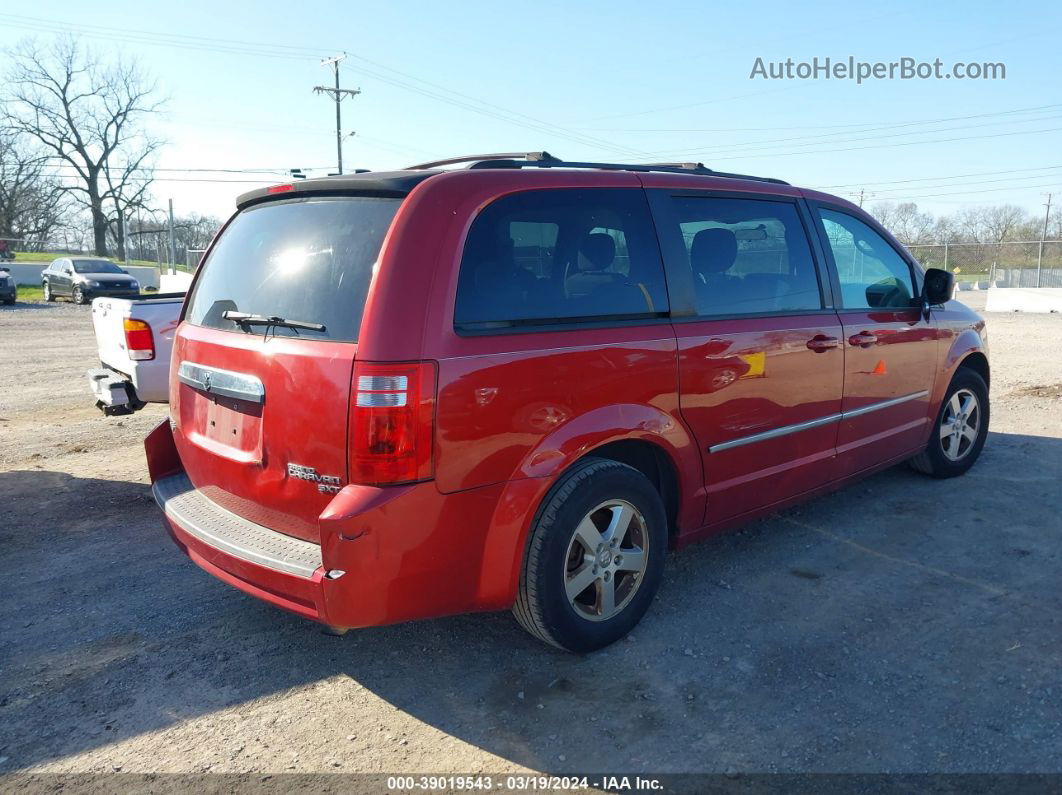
x=250, y=319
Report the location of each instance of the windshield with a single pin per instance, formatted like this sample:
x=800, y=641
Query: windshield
x=95, y=266
x=308, y=260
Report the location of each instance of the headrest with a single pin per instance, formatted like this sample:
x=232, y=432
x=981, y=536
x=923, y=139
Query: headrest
x=713, y=250
x=599, y=250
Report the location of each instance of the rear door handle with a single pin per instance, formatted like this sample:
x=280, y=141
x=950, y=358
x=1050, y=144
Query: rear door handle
x=821, y=343
x=863, y=339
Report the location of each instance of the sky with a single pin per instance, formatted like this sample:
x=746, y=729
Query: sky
x=618, y=81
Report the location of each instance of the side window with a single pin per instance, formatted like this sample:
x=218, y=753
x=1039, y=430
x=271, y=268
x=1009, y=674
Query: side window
x=566, y=255
x=872, y=274
x=748, y=256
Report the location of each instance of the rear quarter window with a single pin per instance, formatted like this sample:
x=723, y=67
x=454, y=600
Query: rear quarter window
x=545, y=257
x=309, y=260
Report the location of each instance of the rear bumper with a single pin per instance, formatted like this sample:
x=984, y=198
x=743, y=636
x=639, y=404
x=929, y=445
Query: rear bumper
x=8, y=292
x=112, y=390
x=386, y=554
x=282, y=570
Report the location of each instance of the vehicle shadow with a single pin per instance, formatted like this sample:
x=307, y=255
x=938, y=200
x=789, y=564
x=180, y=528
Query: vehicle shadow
x=902, y=624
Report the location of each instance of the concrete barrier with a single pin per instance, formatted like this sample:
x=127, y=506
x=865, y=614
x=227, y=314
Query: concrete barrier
x=30, y=273
x=175, y=283
x=1024, y=299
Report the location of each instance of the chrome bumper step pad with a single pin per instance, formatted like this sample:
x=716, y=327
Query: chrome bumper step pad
x=207, y=521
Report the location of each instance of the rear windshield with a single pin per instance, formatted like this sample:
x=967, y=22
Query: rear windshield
x=306, y=260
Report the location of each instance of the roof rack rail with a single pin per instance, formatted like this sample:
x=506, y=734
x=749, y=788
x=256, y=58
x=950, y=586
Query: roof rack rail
x=508, y=156
x=546, y=160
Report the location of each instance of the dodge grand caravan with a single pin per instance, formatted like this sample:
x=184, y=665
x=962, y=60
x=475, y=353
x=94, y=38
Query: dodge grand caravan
x=517, y=382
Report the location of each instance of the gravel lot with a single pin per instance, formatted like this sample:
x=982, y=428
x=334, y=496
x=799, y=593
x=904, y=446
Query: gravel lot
x=902, y=625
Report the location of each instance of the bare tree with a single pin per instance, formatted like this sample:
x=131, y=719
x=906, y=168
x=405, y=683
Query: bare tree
x=1054, y=226
x=905, y=220
x=195, y=231
x=1002, y=220
x=89, y=116
x=31, y=202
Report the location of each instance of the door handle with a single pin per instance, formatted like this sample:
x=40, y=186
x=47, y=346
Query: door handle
x=863, y=339
x=820, y=343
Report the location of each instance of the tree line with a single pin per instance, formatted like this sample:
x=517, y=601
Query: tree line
x=1001, y=223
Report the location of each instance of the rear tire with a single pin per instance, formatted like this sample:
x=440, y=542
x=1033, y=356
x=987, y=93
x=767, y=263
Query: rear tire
x=960, y=430
x=595, y=557
x=49, y=296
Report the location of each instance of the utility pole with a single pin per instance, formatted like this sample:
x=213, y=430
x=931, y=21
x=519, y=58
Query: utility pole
x=338, y=95
x=173, y=245
x=860, y=197
x=1043, y=239
x=125, y=239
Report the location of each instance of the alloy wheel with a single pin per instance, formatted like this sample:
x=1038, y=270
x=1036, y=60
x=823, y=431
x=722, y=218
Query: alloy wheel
x=606, y=560
x=960, y=424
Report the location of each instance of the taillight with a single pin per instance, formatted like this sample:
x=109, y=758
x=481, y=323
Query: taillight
x=392, y=417
x=139, y=343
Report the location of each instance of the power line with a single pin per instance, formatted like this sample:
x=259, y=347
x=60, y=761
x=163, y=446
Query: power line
x=967, y=192
x=745, y=156
x=831, y=126
x=266, y=50
x=755, y=147
x=187, y=179
x=462, y=100
x=932, y=179
x=885, y=192
x=181, y=40
x=196, y=170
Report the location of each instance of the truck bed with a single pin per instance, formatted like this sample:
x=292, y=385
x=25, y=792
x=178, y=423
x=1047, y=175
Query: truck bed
x=123, y=384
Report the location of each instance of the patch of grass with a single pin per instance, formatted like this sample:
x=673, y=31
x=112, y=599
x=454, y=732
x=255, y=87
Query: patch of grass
x=48, y=256
x=30, y=293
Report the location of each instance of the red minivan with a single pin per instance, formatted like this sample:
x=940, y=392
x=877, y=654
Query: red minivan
x=511, y=381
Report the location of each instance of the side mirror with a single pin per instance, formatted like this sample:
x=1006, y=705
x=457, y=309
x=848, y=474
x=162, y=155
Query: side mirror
x=939, y=286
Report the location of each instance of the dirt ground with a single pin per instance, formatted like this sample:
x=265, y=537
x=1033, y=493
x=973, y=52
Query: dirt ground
x=901, y=625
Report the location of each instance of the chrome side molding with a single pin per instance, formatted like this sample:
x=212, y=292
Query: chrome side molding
x=785, y=430
x=885, y=404
x=226, y=383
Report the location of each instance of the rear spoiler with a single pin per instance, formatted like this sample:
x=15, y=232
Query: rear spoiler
x=390, y=184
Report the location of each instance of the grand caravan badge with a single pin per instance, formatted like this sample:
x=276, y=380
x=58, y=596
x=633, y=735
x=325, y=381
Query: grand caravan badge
x=326, y=484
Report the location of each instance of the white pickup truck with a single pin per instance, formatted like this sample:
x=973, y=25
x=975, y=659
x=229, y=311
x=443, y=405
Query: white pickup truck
x=135, y=339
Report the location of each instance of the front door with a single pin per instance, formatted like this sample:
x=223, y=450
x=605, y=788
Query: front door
x=65, y=279
x=890, y=348
x=760, y=360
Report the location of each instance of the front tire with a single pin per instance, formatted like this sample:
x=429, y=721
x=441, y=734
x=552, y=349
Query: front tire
x=595, y=557
x=49, y=296
x=959, y=433
x=77, y=296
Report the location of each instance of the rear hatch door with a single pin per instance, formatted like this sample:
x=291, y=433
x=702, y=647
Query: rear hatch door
x=261, y=403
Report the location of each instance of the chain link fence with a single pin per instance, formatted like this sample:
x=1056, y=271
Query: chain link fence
x=148, y=249
x=1012, y=264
